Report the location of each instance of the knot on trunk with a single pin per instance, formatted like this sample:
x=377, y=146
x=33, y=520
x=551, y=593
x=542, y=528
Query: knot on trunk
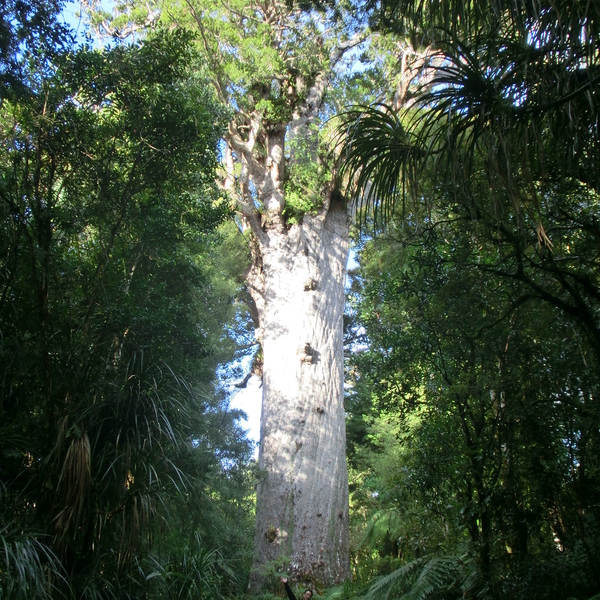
x=308, y=354
x=272, y=533
x=310, y=285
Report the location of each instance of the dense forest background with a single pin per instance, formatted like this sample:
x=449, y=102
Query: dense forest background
x=469, y=137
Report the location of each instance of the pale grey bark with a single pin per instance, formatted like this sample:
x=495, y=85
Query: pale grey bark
x=302, y=500
x=297, y=284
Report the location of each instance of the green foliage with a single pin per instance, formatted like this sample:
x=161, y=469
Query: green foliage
x=480, y=302
x=259, y=58
x=122, y=469
x=272, y=572
x=432, y=577
x=29, y=33
x=472, y=416
x=514, y=92
x=28, y=568
x=307, y=176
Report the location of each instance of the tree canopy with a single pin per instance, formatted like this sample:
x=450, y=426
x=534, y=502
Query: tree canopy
x=113, y=300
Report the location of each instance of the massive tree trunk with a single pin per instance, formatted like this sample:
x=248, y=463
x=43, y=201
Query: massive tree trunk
x=302, y=500
x=297, y=283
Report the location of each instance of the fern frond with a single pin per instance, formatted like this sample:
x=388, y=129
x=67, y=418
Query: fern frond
x=438, y=574
x=384, y=586
x=431, y=577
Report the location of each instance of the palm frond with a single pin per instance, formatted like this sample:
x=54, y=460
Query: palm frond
x=516, y=89
x=74, y=486
x=28, y=568
x=379, y=156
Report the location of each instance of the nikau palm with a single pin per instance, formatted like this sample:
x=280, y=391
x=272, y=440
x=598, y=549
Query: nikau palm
x=515, y=83
x=514, y=99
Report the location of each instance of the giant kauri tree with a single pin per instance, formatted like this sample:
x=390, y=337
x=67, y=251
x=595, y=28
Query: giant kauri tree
x=271, y=62
x=273, y=66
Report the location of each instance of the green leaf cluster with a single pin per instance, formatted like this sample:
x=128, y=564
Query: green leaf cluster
x=307, y=175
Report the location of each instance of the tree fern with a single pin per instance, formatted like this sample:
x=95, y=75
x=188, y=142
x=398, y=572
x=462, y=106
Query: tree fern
x=431, y=577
